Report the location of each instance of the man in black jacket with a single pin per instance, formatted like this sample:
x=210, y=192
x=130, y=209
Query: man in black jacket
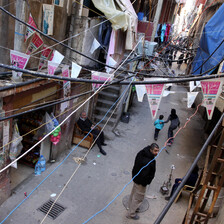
x=86, y=125
x=142, y=177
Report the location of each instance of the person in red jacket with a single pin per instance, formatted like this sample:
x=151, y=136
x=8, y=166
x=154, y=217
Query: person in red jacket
x=143, y=173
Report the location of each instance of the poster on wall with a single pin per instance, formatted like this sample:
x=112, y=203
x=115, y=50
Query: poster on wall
x=66, y=84
x=59, y=2
x=30, y=31
x=18, y=60
x=48, y=19
x=52, y=66
x=35, y=43
x=44, y=57
x=100, y=76
x=154, y=94
x=211, y=90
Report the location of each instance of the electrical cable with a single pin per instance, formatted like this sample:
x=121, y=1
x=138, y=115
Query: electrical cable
x=58, y=165
x=99, y=89
x=176, y=192
x=117, y=102
x=58, y=42
x=164, y=147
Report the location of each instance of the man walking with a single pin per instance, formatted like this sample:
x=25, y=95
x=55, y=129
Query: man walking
x=144, y=178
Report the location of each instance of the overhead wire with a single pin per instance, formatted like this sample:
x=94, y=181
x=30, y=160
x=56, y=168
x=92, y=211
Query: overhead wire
x=61, y=42
x=57, y=166
x=6, y=167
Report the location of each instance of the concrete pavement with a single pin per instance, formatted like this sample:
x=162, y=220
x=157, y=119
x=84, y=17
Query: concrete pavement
x=101, y=178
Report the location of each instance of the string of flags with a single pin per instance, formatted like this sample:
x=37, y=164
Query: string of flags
x=211, y=90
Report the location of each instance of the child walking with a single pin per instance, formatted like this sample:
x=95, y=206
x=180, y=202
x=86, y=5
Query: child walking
x=159, y=123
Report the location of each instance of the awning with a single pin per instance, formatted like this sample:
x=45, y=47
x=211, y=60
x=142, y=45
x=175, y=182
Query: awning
x=211, y=40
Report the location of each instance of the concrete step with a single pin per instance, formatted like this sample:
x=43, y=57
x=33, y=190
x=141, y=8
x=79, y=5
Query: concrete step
x=103, y=111
x=108, y=96
x=99, y=117
x=104, y=103
x=112, y=89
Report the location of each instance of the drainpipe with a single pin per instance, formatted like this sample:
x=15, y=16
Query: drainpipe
x=156, y=18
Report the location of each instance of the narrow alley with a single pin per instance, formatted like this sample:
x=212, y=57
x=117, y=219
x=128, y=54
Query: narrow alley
x=101, y=178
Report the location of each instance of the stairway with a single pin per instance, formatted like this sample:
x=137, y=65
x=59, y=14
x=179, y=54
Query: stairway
x=106, y=98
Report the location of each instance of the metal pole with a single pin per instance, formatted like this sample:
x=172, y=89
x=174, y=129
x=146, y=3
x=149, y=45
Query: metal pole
x=170, y=202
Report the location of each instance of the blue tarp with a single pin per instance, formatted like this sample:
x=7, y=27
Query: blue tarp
x=212, y=37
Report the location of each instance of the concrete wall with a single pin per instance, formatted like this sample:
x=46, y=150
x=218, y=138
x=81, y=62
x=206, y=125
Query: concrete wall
x=7, y=31
x=84, y=40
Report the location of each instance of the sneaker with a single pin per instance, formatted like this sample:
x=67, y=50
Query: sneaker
x=104, y=144
x=155, y=139
x=136, y=217
x=169, y=144
x=103, y=152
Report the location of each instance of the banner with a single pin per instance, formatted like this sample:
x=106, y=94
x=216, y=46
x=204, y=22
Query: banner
x=52, y=66
x=18, y=60
x=154, y=93
x=75, y=70
x=211, y=90
x=100, y=76
x=66, y=84
x=35, y=43
x=191, y=98
x=30, y=31
x=44, y=57
x=48, y=19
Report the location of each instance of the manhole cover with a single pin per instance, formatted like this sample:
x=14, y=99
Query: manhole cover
x=144, y=206
x=56, y=210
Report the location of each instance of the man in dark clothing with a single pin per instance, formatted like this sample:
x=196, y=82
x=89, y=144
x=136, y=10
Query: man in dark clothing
x=142, y=177
x=191, y=181
x=86, y=125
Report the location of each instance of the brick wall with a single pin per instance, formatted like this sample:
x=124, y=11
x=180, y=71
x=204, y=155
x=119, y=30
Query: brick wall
x=5, y=187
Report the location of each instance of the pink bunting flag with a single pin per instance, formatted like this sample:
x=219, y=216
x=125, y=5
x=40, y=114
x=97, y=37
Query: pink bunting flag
x=44, y=56
x=30, y=31
x=211, y=90
x=154, y=93
x=36, y=43
x=101, y=76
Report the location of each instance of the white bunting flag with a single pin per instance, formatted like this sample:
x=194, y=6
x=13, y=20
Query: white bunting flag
x=94, y=46
x=191, y=96
x=211, y=90
x=140, y=90
x=194, y=84
x=111, y=62
x=75, y=70
x=57, y=57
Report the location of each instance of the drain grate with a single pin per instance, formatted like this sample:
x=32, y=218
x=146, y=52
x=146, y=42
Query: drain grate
x=56, y=210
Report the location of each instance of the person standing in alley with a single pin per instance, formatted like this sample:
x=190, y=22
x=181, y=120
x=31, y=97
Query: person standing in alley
x=141, y=178
x=175, y=122
x=86, y=125
x=159, y=123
